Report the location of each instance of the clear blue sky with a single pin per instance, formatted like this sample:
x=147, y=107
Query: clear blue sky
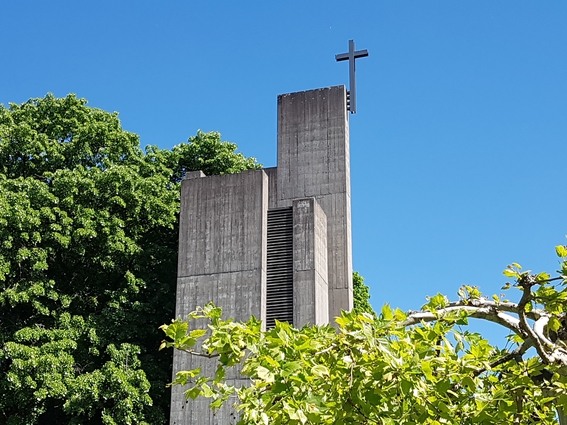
x=458, y=148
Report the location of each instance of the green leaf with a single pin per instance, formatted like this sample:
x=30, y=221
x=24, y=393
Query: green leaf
x=510, y=273
x=220, y=373
x=320, y=370
x=561, y=251
x=554, y=324
x=386, y=312
x=427, y=370
x=542, y=277
x=198, y=333
x=207, y=391
x=399, y=315
x=265, y=374
x=468, y=382
x=438, y=301
x=182, y=377
x=291, y=367
x=193, y=393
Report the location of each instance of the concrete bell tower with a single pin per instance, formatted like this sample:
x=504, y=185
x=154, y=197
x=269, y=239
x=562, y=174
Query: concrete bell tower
x=273, y=243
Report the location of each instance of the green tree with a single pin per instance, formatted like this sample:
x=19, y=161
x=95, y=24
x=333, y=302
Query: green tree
x=422, y=367
x=88, y=253
x=361, y=295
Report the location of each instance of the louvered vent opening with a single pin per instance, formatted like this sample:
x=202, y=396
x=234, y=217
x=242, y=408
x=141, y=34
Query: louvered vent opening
x=280, y=267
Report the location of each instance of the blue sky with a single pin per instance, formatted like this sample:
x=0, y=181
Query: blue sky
x=458, y=148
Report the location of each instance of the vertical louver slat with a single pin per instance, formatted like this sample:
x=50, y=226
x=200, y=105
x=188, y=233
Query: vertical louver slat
x=280, y=267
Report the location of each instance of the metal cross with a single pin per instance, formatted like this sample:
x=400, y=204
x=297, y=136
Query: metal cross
x=351, y=56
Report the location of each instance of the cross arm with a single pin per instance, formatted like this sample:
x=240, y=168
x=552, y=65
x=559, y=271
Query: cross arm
x=346, y=56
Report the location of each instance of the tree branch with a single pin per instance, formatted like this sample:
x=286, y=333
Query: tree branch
x=198, y=354
x=513, y=355
x=526, y=282
x=326, y=350
x=489, y=313
x=507, y=306
x=497, y=312
x=558, y=354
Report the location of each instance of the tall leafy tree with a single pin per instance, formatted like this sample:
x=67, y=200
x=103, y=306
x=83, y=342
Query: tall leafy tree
x=420, y=367
x=88, y=252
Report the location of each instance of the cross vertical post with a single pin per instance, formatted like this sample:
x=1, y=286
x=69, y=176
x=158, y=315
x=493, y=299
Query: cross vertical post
x=351, y=56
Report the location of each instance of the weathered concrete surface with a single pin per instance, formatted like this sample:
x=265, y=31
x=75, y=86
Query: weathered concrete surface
x=314, y=161
x=189, y=412
x=222, y=225
x=222, y=258
x=223, y=232
x=272, y=174
x=310, y=288
x=193, y=175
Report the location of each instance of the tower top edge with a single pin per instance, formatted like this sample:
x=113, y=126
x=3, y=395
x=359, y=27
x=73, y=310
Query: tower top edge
x=339, y=87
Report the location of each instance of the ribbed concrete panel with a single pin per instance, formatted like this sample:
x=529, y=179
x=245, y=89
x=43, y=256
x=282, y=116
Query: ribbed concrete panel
x=279, y=281
x=310, y=288
x=314, y=161
x=222, y=258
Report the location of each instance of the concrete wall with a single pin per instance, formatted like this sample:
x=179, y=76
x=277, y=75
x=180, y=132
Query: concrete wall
x=272, y=174
x=314, y=161
x=222, y=258
x=310, y=288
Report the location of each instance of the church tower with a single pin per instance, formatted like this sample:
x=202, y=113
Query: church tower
x=273, y=243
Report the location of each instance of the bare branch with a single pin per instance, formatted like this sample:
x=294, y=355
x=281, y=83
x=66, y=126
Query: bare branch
x=487, y=313
x=198, y=353
x=558, y=353
x=326, y=350
x=552, y=279
x=507, y=306
x=526, y=283
x=539, y=330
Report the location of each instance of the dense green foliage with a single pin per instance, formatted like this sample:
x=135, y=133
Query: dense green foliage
x=361, y=295
x=422, y=367
x=88, y=253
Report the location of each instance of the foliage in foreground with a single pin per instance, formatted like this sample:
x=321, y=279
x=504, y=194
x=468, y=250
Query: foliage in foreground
x=88, y=256
x=421, y=367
